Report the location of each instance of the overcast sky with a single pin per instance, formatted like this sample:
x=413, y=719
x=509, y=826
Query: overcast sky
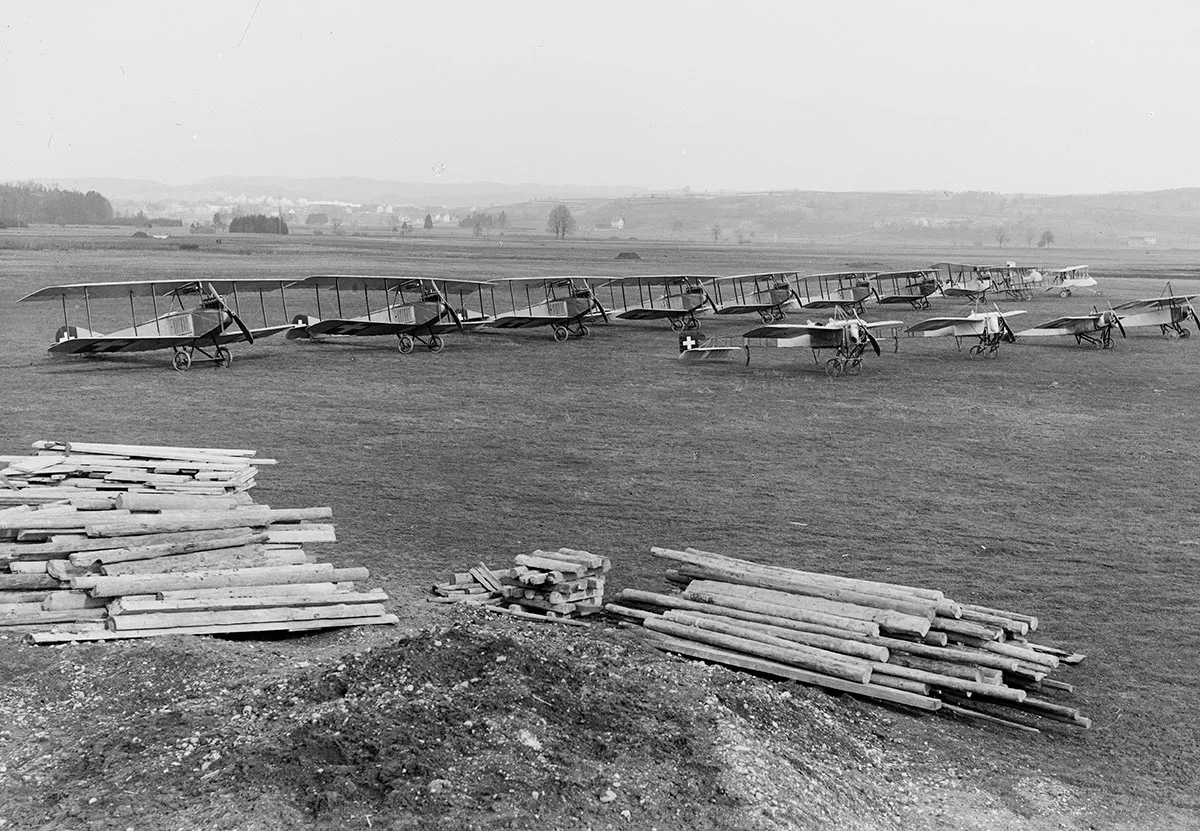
x=1049, y=97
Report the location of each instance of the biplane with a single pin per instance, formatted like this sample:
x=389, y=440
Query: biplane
x=911, y=287
x=1094, y=329
x=964, y=280
x=563, y=303
x=990, y=329
x=415, y=310
x=844, y=291
x=1169, y=312
x=848, y=336
x=1063, y=281
x=676, y=298
x=1016, y=282
x=763, y=294
x=205, y=326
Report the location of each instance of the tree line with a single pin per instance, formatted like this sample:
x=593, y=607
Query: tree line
x=31, y=202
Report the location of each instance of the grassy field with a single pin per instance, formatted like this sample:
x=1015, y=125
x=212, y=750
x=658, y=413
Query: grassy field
x=1054, y=480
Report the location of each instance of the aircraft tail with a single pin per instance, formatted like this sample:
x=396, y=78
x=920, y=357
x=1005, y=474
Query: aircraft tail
x=69, y=332
x=300, y=324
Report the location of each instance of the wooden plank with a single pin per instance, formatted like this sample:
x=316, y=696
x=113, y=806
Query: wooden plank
x=253, y=591
x=227, y=629
x=854, y=648
x=188, y=545
x=25, y=582
x=67, y=544
x=209, y=578
x=246, y=557
x=547, y=564
x=484, y=575
x=128, y=606
x=136, y=501
x=303, y=532
x=42, y=617
x=173, y=620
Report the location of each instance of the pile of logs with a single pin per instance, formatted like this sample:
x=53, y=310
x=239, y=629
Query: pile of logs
x=555, y=585
x=894, y=643
x=111, y=541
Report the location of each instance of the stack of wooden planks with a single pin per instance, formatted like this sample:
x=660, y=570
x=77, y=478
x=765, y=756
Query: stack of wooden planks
x=901, y=644
x=134, y=557
x=552, y=585
x=99, y=472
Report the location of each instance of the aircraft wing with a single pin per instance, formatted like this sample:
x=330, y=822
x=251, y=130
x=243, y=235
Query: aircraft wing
x=234, y=334
x=157, y=288
x=936, y=324
x=1069, y=325
x=1155, y=302
x=785, y=331
x=655, y=279
x=876, y=324
x=358, y=282
x=101, y=345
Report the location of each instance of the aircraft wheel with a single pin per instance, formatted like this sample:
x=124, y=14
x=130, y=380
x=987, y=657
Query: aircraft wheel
x=1065, y=293
x=691, y=323
x=975, y=351
x=584, y=331
x=767, y=317
x=436, y=344
x=854, y=367
x=676, y=324
x=406, y=344
x=561, y=333
x=781, y=315
x=834, y=368
x=224, y=357
x=181, y=361
x=1185, y=333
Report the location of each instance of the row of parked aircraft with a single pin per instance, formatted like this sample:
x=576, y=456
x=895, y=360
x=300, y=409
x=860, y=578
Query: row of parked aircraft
x=203, y=317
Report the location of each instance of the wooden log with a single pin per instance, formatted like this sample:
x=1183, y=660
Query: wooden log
x=138, y=501
x=1031, y=656
x=32, y=596
x=565, y=567
x=532, y=616
x=1031, y=620
x=212, y=454
x=949, y=682
x=486, y=578
x=41, y=617
x=304, y=532
x=969, y=673
x=68, y=544
x=28, y=567
x=915, y=687
x=59, y=601
x=14, y=609
x=130, y=606
x=245, y=557
x=26, y=582
x=972, y=657
x=967, y=712
x=762, y=613
x=210, y=578
x=886, y=619
x=727, y=657
x=251, y=515
x=966, y=627
x=920, y=608
x=173, y=620
x=60, y=635
x=208, y=542
x=698, y=557
x=63, y=570
x=628, y=611
x=853, y=648
x=813, y=660
x=592, y=561
x=254, y=591
x=1017, y=627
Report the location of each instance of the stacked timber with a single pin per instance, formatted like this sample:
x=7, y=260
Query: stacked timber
x=106, y=563
x=901, y=644
x=59, y=470
x=560, y=585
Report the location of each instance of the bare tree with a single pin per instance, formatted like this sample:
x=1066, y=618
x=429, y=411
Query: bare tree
x=715, y=230
x=560, y=222
x=1046, y=240
x=1001, y=237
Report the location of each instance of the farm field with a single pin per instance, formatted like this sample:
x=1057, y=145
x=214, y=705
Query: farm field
x=1053, y=479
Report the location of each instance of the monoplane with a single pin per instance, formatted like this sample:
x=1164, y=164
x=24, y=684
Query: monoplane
x=764, y=294
x=563, y=303
x=1063, y=281
x=676, y=298
x=207, y=325
x=415, y=310
x=990, y=329
x=1094, y=329
x=911, y=287
x=1169, y=312
x=848, y=336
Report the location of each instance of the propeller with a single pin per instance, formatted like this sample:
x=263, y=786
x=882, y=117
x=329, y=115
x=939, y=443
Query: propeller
x=1009, y=334
x=453, y=315
x=874, y=343
x=1195, y=316
x=234, y=317
x=1116, y=318
x=711, y=302
x=599, y=307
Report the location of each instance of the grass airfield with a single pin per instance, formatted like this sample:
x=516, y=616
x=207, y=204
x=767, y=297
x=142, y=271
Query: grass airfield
x=1055, y=479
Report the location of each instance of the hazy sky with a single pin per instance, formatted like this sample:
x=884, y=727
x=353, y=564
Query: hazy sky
x=1049, y=97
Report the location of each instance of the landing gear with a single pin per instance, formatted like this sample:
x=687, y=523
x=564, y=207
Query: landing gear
x=224, y=357
x=181, y=361
x=436, y=344
x=1064, y=293
x=406, y=344
x=834, y=367
x=676, y=324
x=561, y=333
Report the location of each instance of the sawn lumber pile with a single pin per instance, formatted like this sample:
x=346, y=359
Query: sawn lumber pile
x=901, y=644
x=132, y=557
x=556, y=585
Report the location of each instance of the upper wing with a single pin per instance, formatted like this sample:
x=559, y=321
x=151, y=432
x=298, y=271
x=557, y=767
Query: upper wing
x=655, y=279
x=1156, y=302
x=158, y=288
x=784, y=331
x=935, y=323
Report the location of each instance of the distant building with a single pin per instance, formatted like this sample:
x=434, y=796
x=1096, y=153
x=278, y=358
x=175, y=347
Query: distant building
x=618, y=224
x=1142, y=239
